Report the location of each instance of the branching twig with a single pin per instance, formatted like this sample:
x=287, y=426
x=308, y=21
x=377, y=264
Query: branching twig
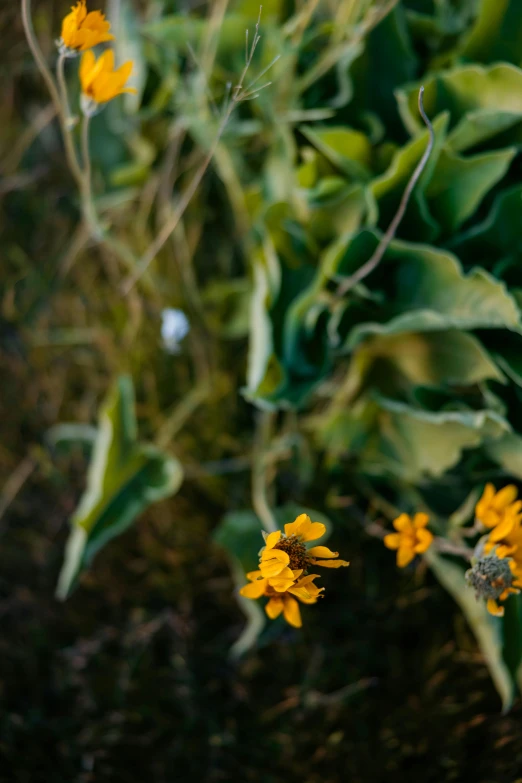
x=239, y=94
x=384, y=243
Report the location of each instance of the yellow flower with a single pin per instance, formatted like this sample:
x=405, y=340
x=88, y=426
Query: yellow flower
x=289, y=550
x=411, y=537
x=100, y=82
x=82, y=30
x=493, y=506
x=281, y=591
x=283, y=569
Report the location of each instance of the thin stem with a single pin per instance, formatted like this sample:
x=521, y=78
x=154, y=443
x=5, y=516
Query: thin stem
x=38, y=55
x=89, y=210
x=259, y=471
x=384, y=243
x=176, y=216
x=58, y=101
x=62, y=85
x=238, y=95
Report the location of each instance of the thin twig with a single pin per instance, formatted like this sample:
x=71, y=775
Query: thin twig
x=62, y=85
x=384, y=243
x=259, y=469
x=15, y=482
x=238, y=94
x=53, y=90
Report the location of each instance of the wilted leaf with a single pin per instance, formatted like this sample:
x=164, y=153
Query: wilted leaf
x=125, y=476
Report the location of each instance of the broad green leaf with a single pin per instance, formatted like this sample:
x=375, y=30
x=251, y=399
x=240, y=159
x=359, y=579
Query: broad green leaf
x=507, y=452
x=429, y=358
x=387, y=61
x=496, y=34
x=124, y=477
x=499, y=236
x=482, y=104
x=396, y=440
x=413, y=443
x=459, y=184
x=487, y=629
x=431, y=291
x=347, y=149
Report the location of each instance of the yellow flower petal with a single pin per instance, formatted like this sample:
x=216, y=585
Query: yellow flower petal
x=294, y=528
x=330, y=563
x=282, y=581
x=274, y=567
x=280, y=584
x=405, y=555
x=82, y=30
x=402, y=523
x=502, y=530
x=253, y=575
x=254, y=589
x=313, y=531
x=494, y=608
x=505, y=496
x=291, y=611
x=420, y=520
x=272, y=539
x=274, y=608
x=424, y=539
x=392, y=541
x=322, y=551
x=99, y=81
x=275, y=554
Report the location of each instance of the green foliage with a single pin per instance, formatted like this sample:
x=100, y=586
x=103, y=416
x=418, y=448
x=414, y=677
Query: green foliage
x=125, y=477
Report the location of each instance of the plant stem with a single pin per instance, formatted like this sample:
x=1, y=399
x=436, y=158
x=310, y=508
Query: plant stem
x=383, y=245
x=89, y=210
x=259, y=470
x=62, y=86
x=59, y=102
x=178, y=213
x=239, y=93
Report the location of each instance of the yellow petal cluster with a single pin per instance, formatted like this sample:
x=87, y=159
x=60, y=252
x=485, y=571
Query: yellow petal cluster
x=82, y=30
x=99, y=81
x=411, y=537
x=281, y=591
x=501, y=512
x=283, y=569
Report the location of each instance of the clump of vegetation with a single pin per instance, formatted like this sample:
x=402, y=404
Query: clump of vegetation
x=262, y=275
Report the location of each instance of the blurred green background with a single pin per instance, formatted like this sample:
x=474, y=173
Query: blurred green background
x=133, y=676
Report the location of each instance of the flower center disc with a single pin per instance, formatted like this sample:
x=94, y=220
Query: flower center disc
x=296, y=551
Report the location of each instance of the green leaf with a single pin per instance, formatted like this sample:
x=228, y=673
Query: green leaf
x=430, y=358
x=482, y=104
x=347, y=149
x=432, y=293
x=459, y=184
x=414, y=443
x=499, y=236
x=507, y=452
x=496, y=34
x=125, y=476
x=487, y=629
